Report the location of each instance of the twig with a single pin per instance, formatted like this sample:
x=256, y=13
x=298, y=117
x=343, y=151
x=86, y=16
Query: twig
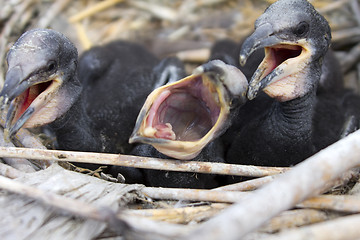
x=180, y=215
x=346, y=36
x=52, y=13
x=356, y=10
x=247, y=185
x=193, y=194
x=82, y=36
x=159, y=11
x=287, y=190
x=195, y=56
x=332, y=6
x=294, y=218
x=101, y=6
x=342, y=203
x=24, y=138
x=10, y=172
x=351, y=58
x=8, y=28
x=141, y=162
x=21, y=164
x=344, y=228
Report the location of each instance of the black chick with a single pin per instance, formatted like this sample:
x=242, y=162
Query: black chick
x=296, y=38
x=121, y=74
x=229, y=51
x=42, y=87
x=184, y=119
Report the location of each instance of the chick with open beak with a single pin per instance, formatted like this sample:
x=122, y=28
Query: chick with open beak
x=181, y=118
x=38, y=79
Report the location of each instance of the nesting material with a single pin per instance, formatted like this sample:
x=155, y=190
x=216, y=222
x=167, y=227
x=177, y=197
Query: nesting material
x=41, y=200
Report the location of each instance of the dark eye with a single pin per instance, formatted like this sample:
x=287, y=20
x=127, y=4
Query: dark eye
x=301, y=29
x=235, y=102
x=51, y=66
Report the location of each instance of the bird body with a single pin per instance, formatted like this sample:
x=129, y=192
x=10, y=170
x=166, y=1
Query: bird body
x=292, y=121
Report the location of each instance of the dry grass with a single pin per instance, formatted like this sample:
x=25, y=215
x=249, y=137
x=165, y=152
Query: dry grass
x=186, y=29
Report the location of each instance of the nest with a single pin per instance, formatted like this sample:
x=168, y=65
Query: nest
x=317, y=199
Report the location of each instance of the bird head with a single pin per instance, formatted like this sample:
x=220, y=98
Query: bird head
x=37, y=88
x=181, y=118
x=295, y=38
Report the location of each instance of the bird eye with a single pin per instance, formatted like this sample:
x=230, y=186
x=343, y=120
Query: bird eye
x=301, y=29
x=235, y=102
x=51, y=66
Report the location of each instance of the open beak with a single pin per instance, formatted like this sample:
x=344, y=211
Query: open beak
x=24, y=97
x=284, y=64
x=181, y=118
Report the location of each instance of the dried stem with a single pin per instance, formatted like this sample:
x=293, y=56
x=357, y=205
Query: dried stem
x=294, y=218
x=10, y=172
x=341, y=228
x=304, y=180
x=247, y=185
x=52, y=13
x=180, y=215
x=140, y=162
x=193, y=194
x=195, y=56
x=342, y=203
x=101, y=6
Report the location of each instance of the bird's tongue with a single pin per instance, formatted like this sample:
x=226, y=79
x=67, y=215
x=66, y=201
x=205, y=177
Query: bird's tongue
x=185, y=117
x=29, y=96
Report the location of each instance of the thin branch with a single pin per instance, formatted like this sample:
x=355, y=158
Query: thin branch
x=10, y=172
x=193, y=194
x=52, y=13
x=342, y=203
x=294, y=218
x=141, y=162
x=195, y=56
x=159, y=11
x=340, y=228
x=333, y=6
x=247, y=185
x=179, y=215
x=101, y=6
x=303, y=181
x=24, y=138
x=356, y=10
x=82, y=36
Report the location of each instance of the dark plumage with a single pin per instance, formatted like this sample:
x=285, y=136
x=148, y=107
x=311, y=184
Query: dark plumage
x=229, y=51
x=184, y=119
x=296, y=122
x=92, y=110
x=117, y=78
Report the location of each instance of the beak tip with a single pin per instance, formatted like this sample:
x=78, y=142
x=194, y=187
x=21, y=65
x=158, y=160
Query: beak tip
x=251, y=94
x=242, y=59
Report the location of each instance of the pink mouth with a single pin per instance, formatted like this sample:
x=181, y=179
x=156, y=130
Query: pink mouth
x=184, y=112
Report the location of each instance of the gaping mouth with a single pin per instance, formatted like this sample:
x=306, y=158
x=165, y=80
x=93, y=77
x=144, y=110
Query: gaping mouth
x=24, y=100
x=278, y=54
x=184, y=111
x=277, y=73
x=179, y=119
x=25, y=109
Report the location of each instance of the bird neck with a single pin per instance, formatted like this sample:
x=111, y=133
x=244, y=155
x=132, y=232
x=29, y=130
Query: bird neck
x=295, y=116
x=75, y=129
